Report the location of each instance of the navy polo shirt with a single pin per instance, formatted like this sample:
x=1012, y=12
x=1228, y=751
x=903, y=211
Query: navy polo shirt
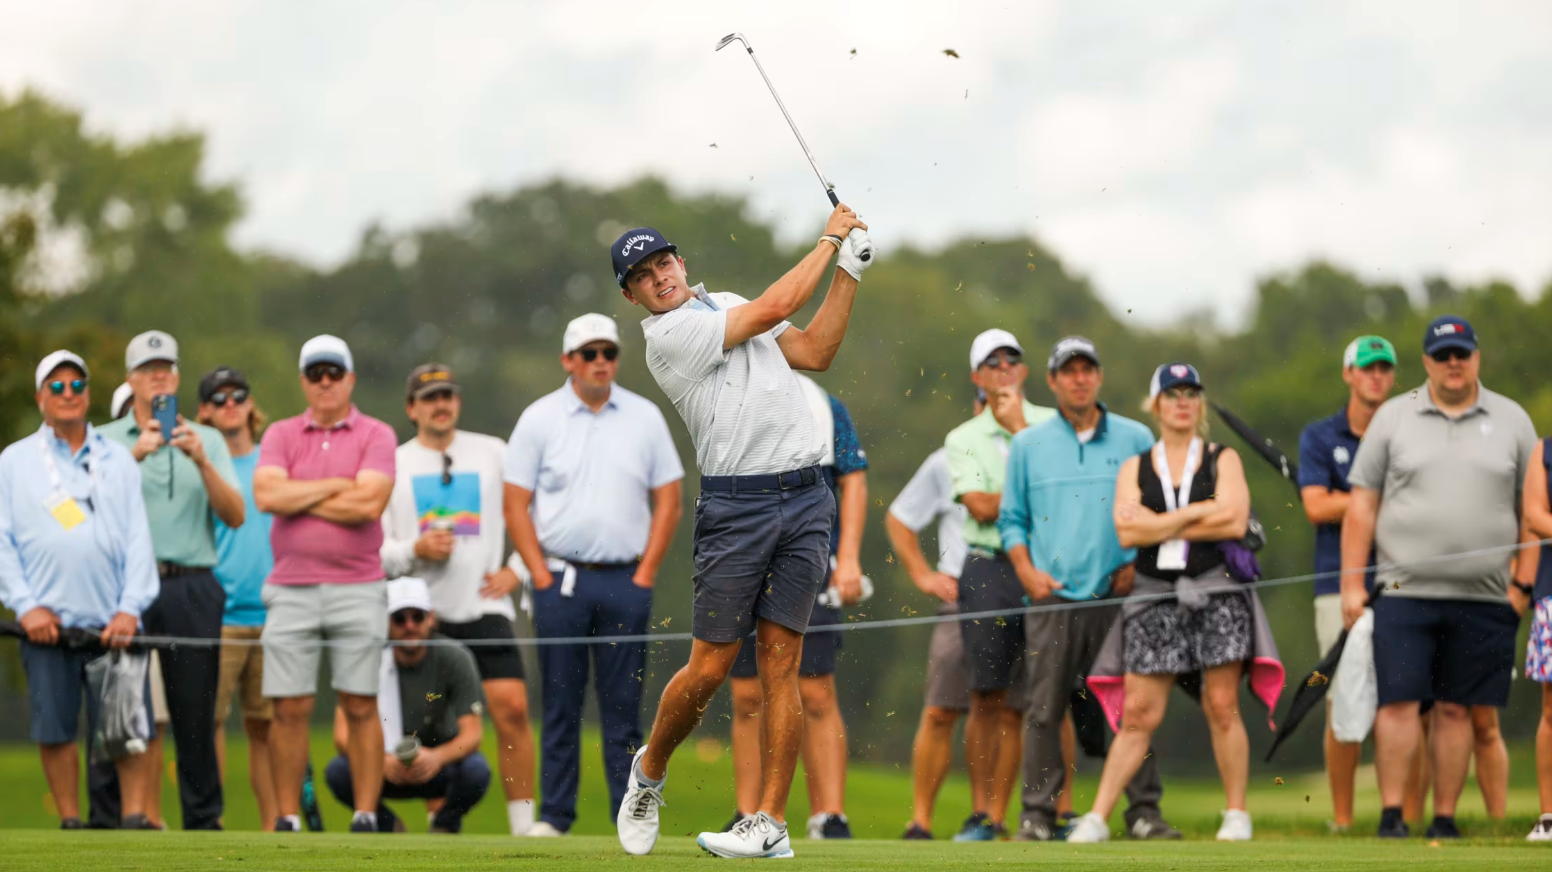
x=1326, y=451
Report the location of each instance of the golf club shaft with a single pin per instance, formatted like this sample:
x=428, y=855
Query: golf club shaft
x=829, y=188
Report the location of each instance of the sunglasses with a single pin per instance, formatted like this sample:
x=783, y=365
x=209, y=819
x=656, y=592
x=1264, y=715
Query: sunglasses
x=591, y=354
x=437, y=396
x=408, y=616
x=318, y=371
x=1445, y=355
x=447, y=470
x=219, y=398
x=1002, y=357
x=57, y=386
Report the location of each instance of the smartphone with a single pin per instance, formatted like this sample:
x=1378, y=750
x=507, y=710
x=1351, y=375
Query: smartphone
x=164, y=408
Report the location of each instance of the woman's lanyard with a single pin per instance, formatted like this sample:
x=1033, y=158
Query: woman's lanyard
x=1173, y=552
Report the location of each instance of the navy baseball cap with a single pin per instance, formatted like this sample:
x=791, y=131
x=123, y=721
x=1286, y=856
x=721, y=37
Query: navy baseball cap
x=1173, y=375
x=1449, y=331
x=633, y=247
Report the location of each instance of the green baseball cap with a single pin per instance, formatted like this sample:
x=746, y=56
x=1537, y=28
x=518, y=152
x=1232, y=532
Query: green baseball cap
x=1368, y=349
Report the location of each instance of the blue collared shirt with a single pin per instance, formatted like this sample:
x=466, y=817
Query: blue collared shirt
x=592, y=473
x=102, y=565
x=1326, y=451
x=1058, y=499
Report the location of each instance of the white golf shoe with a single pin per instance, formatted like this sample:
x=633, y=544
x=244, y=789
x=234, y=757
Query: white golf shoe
x=1089, y=829
x=637, y=820
x=1542, y=831
x=1236, y=826
x=753, y=838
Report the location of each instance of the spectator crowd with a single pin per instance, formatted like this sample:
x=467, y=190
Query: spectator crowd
x=1117, y=552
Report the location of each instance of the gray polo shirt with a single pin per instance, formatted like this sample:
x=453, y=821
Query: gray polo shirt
x=1447, y=485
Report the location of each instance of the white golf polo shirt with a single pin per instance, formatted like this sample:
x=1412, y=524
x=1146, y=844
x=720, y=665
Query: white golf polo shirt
x=743, y=406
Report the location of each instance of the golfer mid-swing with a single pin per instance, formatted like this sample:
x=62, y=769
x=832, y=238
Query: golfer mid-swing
x=762, y=523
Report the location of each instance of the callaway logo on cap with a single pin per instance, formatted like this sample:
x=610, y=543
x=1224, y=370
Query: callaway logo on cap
x=634, y=246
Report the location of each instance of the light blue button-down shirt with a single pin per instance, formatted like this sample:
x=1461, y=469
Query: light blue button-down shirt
x=102, y=565
x=592, y=473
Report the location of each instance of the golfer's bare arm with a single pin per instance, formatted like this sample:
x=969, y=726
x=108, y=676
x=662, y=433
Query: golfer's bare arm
x=780, y=301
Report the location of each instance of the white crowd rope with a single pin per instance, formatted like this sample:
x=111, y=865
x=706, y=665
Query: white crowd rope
x=1053, y=605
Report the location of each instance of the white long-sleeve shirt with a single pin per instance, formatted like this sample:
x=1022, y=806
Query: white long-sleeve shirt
x=471, y=500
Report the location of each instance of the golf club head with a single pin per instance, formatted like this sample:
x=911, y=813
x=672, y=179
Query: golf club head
x=727, y=40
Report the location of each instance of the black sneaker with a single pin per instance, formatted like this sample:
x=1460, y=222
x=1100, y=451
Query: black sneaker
x=137, y=822
x=917, y=833
x=1443, y=828
x=310, y=813
x=836, y=827
x=1392, y=826
x=737, y=816
x=284, y=825
x=71, y=823
x=1152, y=828
x=364, y=823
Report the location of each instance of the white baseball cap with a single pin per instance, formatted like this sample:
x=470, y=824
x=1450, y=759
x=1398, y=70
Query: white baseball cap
x=149, y=346
x=990, y=341
x=591, y=327
x=326, y=349
x=408, y=593
x=121, y=397
x=55, y=361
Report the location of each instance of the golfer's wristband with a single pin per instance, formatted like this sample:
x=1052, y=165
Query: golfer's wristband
x=832, y=239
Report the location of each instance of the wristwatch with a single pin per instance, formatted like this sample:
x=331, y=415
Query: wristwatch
x=1527, y=589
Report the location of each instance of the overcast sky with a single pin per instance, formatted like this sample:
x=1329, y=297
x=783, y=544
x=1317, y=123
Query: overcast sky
x=1171, y=152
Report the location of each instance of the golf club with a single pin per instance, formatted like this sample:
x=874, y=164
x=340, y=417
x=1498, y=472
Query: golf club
x=724, y=42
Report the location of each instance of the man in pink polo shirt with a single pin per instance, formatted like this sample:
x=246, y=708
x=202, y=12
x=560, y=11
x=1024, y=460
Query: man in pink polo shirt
x=326, y=476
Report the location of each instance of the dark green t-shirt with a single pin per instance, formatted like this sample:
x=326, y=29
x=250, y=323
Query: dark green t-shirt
x=438, y=691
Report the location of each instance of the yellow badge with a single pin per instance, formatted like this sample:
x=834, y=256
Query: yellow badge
x=65, y=510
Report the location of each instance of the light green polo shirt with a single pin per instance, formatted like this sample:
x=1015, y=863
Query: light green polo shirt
x=182, y=524
x=977, y=461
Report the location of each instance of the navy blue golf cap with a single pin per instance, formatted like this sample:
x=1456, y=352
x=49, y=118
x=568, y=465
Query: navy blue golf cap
x=1173, y=375
x=634, y=246
x=1449, y=331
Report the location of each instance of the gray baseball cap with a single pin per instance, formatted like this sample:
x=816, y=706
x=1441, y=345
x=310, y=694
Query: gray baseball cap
x=1067, y=349
x=150, y=346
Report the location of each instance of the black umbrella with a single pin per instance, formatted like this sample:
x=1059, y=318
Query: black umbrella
x=73, y=637
x=1313, y=689
x=1263, y=446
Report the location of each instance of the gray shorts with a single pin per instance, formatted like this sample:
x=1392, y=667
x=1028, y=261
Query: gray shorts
x=948, y=670
x=760, y=555
x=299, y=616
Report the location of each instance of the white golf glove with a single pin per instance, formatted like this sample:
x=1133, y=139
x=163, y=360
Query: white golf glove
x=856, y=253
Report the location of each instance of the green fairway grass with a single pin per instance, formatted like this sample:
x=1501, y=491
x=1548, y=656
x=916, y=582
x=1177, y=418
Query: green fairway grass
x=1289, y=819
x=168, y=852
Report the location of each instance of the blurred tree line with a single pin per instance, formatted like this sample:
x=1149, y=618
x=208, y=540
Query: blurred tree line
x=101, y=239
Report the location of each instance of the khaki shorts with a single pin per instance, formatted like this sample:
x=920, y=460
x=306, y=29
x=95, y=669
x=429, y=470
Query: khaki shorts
x=948, y=671
x=1328, y=620
x=242, y=665
x=353, y=618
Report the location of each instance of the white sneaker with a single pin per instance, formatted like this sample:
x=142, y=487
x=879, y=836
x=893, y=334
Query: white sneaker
x=816, y=825
x=1089, y=829
x=1542, y=832
x=1236, y=826
x=543, y=830
x=754, y=838
x=637, y=820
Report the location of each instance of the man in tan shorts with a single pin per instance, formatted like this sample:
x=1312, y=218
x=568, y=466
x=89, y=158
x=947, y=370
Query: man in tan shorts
x=244, y=561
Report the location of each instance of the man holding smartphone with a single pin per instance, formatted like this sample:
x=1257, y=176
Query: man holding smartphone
x=188, y=481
